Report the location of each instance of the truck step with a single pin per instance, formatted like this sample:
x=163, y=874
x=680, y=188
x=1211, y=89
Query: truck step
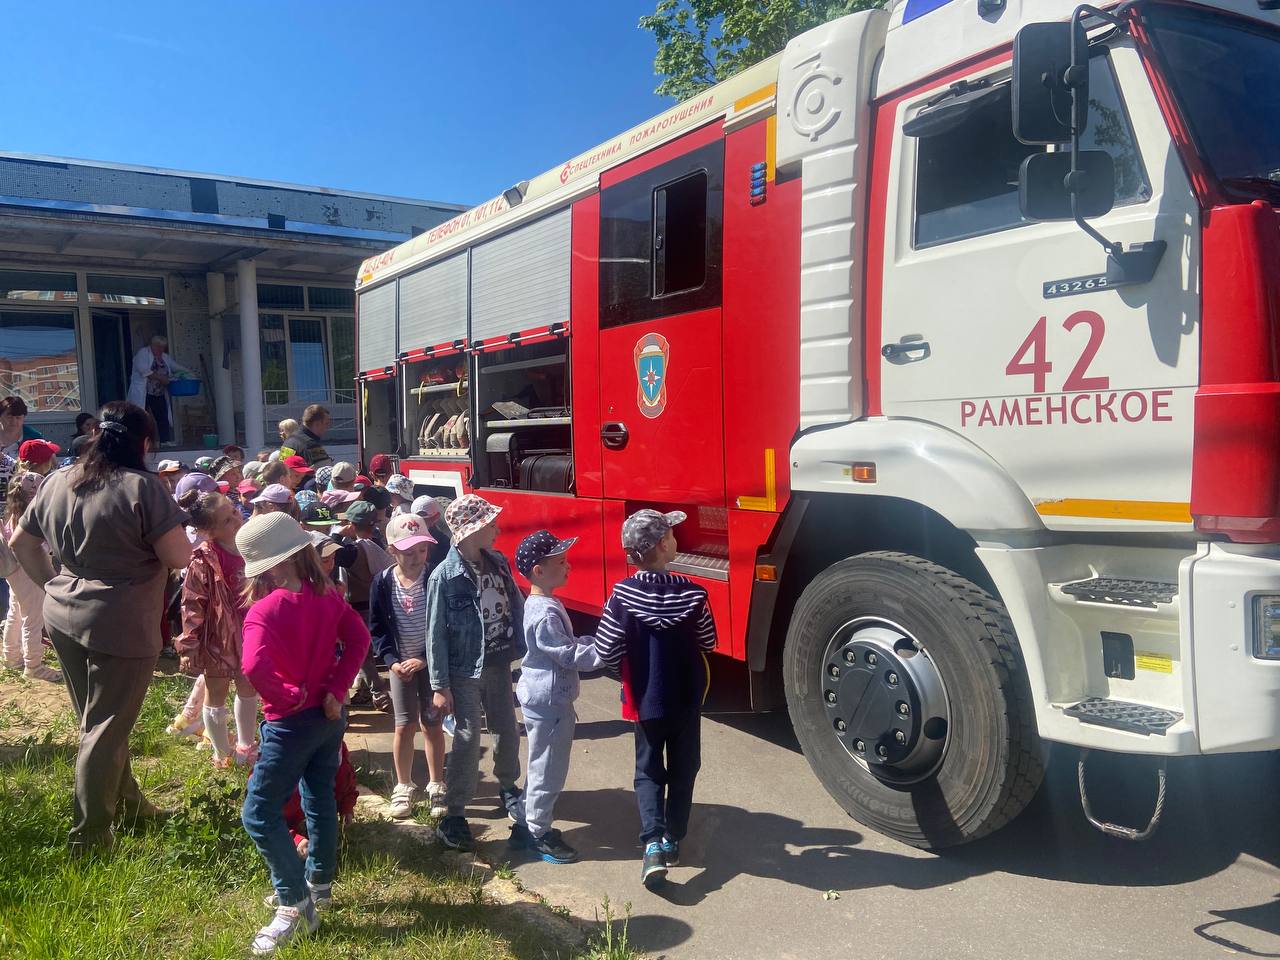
x=1121, y=592
x=1122, y=715
x=702, y=565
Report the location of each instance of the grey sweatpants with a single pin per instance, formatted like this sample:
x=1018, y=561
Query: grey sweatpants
x=490, y=692
x=550, y=733
x=107, y=694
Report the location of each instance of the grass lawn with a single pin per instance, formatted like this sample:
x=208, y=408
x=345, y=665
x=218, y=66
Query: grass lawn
x=194, y=888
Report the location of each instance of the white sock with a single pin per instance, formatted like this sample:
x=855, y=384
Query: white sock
x=246, y=720
x=215, y=728
x=195, y=701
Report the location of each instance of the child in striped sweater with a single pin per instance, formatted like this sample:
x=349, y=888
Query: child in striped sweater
x=655, y=627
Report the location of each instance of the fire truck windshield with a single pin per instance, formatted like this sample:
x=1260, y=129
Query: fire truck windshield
x=1225, y=72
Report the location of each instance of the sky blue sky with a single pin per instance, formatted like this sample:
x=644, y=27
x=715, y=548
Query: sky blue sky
x=446, y=101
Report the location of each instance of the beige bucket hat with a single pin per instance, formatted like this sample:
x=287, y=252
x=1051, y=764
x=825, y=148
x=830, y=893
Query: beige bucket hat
x=269, y=539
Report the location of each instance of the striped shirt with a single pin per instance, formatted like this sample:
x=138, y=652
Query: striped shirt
x=654, y=627
x=410, y=607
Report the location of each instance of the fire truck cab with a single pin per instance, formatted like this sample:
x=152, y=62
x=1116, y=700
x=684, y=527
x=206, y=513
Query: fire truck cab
x=955, y=330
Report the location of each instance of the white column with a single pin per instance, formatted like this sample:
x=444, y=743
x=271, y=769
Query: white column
x=250, y=357
x=216, y=283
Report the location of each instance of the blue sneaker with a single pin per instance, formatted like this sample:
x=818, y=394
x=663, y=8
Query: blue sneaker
x=552, y=848
x=670, y=852
x=653, y=870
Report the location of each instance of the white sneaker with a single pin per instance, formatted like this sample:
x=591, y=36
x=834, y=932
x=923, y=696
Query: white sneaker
x=436, y=794
x=289, y=922
x=402, y=798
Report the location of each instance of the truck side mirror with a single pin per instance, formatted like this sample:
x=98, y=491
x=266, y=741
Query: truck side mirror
x=1044, y=76
x=1046, y=182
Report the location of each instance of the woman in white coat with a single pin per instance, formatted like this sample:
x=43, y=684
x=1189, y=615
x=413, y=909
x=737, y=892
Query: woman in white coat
x=153, y=368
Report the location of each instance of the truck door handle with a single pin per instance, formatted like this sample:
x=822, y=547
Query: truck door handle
x=614, y=435
x=902, y=351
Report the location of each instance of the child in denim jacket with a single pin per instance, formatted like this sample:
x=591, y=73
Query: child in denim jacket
x=475, y=629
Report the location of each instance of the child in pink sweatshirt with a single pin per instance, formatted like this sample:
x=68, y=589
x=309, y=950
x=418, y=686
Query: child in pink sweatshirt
x=302, y=647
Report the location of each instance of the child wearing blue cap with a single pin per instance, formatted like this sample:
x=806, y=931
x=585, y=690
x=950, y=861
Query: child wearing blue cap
x=547, y=689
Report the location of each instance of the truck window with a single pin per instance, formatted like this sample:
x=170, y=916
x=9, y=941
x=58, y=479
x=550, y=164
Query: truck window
x=967, y=177
x=660, y=239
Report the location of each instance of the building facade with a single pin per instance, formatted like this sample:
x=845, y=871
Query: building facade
x=250, y=281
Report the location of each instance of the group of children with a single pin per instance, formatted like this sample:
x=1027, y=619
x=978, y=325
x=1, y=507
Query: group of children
x=22, y=633
x=263, y=614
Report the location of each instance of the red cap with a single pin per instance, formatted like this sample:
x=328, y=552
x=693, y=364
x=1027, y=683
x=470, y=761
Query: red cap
x=297, y=464
x=381, y=463
x=38, y=451
x=246, y=486
x=361, y=478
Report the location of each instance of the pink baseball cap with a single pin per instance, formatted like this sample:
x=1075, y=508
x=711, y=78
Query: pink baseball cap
x=406, y=531
x=276, y=493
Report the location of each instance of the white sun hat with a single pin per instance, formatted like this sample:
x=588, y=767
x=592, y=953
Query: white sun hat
x=269, y=539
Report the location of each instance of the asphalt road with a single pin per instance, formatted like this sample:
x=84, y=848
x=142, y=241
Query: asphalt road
x=768, y=853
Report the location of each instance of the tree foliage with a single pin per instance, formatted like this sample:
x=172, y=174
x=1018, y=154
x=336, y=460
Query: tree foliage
x=701, y=42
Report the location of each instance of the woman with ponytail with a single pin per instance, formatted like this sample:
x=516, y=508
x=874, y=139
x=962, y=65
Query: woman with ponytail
x=115, y=532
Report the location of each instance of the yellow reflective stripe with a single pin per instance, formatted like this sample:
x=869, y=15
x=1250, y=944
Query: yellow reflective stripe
x=770, y=146
x=1160, y=510
x=755, y=96
x=769, y=502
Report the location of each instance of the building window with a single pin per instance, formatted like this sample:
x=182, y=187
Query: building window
x=136, y=291
x=322, y=299
x=342, y=340
x=37, y=285
x=38, y=360
x=310, y=360
x=275, y=361
x=280, y=296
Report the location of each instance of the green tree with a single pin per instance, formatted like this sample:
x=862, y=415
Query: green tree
x=701, y=42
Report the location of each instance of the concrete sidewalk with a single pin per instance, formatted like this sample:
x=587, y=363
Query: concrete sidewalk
x=766, y=846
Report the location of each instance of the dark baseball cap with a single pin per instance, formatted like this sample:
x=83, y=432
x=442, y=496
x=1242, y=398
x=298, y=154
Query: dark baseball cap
x=537, y=547
x=360, y=512
x=317, y=515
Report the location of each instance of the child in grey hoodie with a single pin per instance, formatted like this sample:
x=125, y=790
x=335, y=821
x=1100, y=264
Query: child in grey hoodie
x=547, y=689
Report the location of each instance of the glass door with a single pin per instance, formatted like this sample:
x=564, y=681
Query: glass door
x=111, y=354
x=310, y=360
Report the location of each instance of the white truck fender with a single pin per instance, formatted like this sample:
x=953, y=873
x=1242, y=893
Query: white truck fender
x=919, y=462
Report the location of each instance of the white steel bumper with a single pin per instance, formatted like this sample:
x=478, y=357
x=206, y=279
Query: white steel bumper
x=1237, y=695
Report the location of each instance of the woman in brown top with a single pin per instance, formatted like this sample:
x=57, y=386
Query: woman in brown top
x=115, y=532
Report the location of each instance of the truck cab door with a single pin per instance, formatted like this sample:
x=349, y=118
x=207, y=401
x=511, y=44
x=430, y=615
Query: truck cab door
x=661, y=401
x=1005, y=330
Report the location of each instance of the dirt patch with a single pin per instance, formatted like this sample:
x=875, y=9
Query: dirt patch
x=31, y=707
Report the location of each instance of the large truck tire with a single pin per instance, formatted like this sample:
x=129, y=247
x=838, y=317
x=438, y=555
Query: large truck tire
x=909, y=698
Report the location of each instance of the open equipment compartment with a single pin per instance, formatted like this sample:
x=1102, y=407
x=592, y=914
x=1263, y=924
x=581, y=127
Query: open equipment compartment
x=523, y=435
x=437, y=405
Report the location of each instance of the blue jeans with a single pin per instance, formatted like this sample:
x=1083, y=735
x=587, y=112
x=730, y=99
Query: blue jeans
x=302, y=747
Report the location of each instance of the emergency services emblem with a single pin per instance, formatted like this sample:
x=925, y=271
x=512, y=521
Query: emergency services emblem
x=651, y=356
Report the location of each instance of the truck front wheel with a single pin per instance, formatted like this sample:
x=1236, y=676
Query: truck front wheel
x=907, y=693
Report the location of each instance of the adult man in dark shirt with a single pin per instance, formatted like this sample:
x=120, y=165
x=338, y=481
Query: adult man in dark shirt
x=306, y=441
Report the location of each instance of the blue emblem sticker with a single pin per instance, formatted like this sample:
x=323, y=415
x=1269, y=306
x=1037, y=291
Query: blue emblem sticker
x=651, y=356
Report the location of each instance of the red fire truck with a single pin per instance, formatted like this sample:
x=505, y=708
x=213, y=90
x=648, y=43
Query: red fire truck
x=955, y=330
